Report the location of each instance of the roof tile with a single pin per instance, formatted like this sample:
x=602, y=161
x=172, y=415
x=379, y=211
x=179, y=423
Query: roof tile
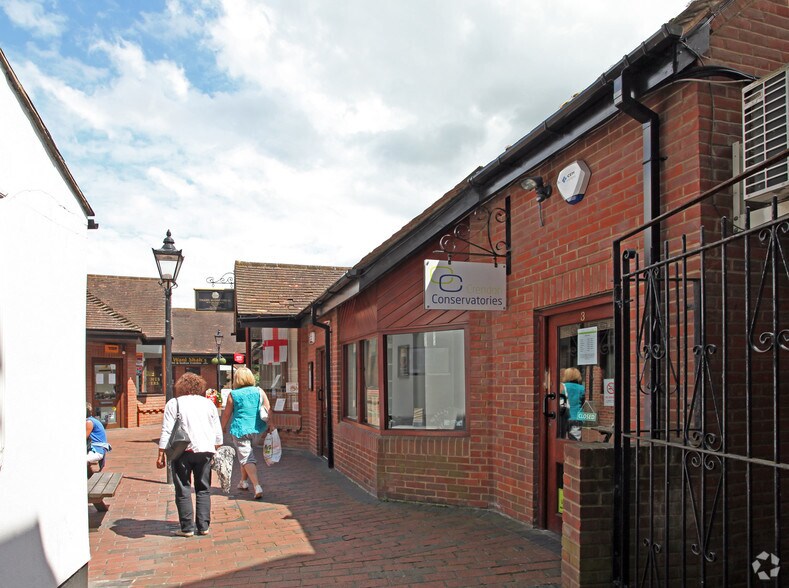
x=280, y=289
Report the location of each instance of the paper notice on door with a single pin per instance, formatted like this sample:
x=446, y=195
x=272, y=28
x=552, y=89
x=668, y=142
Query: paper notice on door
x=587, y=346
x=100, y=379
x=111, y=379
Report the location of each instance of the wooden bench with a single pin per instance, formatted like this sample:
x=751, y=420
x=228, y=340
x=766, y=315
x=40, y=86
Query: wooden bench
x=102, y=485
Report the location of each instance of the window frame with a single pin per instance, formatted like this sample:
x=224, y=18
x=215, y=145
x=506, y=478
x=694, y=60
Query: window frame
x=345, y=404
x=466, y=430
x=383, y=387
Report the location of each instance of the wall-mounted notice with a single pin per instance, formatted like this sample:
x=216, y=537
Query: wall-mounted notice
x=587, y=346
x=608, y=392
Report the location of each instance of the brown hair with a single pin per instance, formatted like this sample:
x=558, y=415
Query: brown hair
x=243, y=378
x=190, y=385
x=572, y=375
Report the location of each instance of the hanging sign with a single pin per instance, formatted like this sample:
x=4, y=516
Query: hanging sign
x=587, y=415
x=462, y=285
x=239, y=358
x=587, y=346
x=220, y=300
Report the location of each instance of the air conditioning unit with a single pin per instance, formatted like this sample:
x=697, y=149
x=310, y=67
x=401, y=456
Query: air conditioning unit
x=765, y=132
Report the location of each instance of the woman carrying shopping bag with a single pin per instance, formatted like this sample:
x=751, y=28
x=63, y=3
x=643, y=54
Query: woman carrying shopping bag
x=199, y=419
x=242, y=412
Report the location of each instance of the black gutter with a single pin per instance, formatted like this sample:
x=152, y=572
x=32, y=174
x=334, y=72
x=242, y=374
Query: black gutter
x=269, y=321
x=327, y=386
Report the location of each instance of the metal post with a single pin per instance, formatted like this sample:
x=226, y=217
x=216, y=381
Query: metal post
x=168, y=359
x=218, y=369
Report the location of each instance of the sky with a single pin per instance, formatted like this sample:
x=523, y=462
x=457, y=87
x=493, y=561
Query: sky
x=294, y=131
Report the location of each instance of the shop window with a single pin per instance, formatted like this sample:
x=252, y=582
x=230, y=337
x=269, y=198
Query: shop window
x=426, y=380
x=350, y=381
x=153, y=376
x=371, y=393
x=275, y=364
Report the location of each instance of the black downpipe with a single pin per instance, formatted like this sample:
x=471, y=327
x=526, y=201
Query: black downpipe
x=327, y=387
x=650, y=127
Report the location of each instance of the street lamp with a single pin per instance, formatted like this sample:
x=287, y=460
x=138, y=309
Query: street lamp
x=168, y=262
x=218, y=359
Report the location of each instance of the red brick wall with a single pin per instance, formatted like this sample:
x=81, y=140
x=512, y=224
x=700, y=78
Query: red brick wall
x=566, y=259
x=587, y=533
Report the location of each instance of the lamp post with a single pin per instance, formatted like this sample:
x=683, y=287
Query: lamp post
x=168, y=262
x=218, y=359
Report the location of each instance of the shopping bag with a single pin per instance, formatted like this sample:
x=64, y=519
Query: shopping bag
x=272, y=448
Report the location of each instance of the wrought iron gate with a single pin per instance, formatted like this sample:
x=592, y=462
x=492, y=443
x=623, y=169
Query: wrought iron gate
x=702, y=399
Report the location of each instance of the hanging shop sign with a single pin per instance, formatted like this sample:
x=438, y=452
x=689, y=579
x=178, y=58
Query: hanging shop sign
x=462, y=285
x=239, y=358
x=219, y=300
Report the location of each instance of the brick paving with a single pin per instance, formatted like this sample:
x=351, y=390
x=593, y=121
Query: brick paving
x=312, y=528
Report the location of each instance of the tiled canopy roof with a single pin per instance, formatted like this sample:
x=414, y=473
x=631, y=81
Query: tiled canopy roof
x=101, y=317
x=194, y=330
x=279, y=289
x=126, y=302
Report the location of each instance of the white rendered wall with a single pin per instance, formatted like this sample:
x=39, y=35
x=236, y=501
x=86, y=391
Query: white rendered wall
x=43, y=239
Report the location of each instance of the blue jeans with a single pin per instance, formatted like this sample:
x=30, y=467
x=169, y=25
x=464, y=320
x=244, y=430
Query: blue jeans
x=198, y=464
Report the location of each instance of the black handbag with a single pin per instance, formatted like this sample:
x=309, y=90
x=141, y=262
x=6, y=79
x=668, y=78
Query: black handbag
x=179, y=438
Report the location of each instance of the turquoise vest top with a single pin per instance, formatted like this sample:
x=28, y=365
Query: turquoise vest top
x=246, y=414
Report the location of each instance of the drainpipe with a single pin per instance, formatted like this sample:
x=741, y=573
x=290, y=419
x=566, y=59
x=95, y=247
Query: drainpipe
x=327, y=386
x=650, y=126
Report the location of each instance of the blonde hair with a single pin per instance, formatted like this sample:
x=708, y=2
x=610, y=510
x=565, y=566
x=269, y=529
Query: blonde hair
x=572, y=375
x=243, y=378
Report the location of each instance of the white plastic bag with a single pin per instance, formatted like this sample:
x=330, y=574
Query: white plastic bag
x=272, y=448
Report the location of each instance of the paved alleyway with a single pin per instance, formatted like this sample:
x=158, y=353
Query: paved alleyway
x=312, y=528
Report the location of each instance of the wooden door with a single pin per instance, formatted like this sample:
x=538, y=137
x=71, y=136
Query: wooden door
x=562, y=415
x=107, y=392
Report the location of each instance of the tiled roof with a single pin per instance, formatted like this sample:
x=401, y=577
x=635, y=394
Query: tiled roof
x=101, y=317
x=140, y=301
x=279, y=289
x=194, y=330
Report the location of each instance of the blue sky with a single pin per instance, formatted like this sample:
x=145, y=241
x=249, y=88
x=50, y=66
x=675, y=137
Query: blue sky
x=294, y=131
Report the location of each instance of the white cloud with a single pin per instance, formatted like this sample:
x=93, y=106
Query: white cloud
x=333, y=124
x=32, y=15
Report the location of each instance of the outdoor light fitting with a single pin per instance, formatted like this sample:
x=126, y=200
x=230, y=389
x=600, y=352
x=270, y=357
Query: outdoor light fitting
x=218, y=338
x=168, y=261
x=535, y=183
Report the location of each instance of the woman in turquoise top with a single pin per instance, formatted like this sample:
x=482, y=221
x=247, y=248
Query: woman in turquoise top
x=574, y=393
x=242, y=411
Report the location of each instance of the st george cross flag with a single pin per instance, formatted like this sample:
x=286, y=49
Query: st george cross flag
x=275, y=346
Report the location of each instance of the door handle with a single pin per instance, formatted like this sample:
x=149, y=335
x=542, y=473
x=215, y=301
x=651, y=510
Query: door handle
x=548, y=413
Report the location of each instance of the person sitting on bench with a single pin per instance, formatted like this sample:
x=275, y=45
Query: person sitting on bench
x=96, y=438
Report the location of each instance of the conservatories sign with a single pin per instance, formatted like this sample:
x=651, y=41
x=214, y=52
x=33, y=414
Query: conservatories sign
x=461, y=285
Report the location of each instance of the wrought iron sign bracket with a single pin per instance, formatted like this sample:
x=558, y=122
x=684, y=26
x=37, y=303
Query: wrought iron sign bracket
x=495, y=249
x=227, y=278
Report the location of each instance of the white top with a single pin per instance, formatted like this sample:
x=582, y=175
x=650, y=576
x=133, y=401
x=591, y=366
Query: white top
x=200, y=419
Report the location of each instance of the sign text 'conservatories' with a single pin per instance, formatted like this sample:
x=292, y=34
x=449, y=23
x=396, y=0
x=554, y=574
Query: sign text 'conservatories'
x=462, y=285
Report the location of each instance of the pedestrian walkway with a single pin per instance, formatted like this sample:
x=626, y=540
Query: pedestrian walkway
x=312, y=528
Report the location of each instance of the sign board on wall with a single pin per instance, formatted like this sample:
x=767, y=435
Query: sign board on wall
x=462, y=285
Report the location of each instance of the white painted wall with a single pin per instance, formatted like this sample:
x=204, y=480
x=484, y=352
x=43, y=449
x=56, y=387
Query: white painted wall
x=43, y=240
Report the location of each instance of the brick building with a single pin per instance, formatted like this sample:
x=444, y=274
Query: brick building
x=424, y=398
x=125, y=339
x=272, y=303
